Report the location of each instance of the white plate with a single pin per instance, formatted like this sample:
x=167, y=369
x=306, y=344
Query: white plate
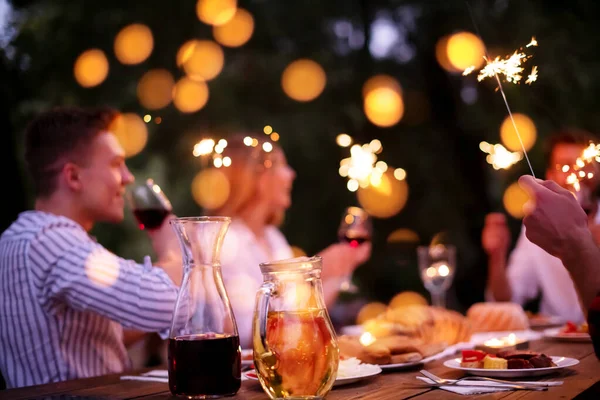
x=545, y=321
x=251, y=375
x=245, y=354
x=561, y=362
x=401, y=365
x=569, y=337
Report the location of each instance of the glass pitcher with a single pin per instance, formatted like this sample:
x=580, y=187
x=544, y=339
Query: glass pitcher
x=204, y=345
x=296, y=354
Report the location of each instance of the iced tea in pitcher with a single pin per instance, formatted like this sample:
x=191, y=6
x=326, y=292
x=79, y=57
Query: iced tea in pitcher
x=295, y=348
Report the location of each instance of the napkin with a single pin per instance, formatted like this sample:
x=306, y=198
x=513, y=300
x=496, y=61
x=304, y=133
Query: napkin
x=144, y=378
x=466, y=387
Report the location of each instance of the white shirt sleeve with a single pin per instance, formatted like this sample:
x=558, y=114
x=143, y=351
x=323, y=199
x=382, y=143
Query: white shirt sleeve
x=522, y=271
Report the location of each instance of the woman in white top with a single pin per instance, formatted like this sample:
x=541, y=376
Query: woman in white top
x=260, y=184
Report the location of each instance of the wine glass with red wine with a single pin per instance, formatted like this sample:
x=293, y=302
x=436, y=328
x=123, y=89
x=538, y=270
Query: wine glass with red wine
x=149, y=204
x=355, y=229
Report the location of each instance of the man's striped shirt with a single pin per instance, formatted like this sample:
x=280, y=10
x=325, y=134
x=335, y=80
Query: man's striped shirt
x=64, y=300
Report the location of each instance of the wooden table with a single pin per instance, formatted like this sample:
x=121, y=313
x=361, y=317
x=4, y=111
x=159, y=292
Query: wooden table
x=389, y=385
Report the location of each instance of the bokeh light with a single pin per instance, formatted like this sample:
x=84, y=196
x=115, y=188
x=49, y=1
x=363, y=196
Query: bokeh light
x=403, y=235
x=461, y=50
x=216, y=12
x=190, y=95
x=131, y=131
x=385, y=199
x=381, y=81
x=384, y=106
x=91, y=68
x=343, y=140
x=210, y=188
x=155, y=89
x=526, y=129
x=514, y=199
x=237, y=31
x=303, y=80
x=202, y=60
x=102, y=268
x=133, y=44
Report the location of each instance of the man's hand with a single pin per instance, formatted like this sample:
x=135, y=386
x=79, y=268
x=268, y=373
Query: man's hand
x=555, y=221
x=495, y=237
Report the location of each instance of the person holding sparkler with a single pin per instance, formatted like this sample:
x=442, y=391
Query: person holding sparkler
x=260, y=182
x=531, y=271
x=556, y=223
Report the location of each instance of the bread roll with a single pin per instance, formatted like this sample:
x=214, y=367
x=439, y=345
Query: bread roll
x=492, y=317
x=431, y=324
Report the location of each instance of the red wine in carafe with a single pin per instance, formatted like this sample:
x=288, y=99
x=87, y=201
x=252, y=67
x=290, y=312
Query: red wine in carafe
x=204, y=365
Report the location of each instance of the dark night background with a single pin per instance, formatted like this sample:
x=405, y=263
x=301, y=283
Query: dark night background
x=451, y=187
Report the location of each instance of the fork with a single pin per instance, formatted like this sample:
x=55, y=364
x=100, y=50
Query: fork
x=505, y=384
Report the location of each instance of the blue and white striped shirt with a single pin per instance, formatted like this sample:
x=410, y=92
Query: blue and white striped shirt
x=64, y=300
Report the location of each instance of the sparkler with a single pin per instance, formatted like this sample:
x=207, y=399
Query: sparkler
x=362, y=168
x=510, y=66
x=499, y=157
x=496, y=73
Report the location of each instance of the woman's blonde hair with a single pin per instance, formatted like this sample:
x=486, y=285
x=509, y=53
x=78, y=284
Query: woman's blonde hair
x=248, y=161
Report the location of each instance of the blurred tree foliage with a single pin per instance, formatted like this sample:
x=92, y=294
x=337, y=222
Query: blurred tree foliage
x=447, y=115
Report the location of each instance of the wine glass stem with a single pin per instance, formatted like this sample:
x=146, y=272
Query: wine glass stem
x=439, y=299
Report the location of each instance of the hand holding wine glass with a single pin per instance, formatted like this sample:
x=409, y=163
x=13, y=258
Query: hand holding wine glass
x=355, y=229
x=149, y=204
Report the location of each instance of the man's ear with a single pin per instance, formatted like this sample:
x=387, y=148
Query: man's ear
x=71, y=175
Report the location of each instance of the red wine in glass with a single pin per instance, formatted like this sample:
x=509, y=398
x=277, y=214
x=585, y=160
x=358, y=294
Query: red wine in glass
x=150, y=218
x=204, y=365
x=149, y=204
x=354, y=241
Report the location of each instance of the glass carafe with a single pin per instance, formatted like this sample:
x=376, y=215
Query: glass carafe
x=204, y=345
x=296, y=354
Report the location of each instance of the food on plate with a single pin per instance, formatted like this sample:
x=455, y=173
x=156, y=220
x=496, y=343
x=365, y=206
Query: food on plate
x=518, y=363
x=490, y=362
x=370, y=311
x=406, y=358
x=374, y=354
x=500, y=316
x=379, y=327
x=472, y=358
x=571, y=327
x=537, y=360
x=407, y=298
x=505, y=360
x=430, y=324
x=388, y=350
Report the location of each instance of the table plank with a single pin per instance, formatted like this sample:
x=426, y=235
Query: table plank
x=390, y=385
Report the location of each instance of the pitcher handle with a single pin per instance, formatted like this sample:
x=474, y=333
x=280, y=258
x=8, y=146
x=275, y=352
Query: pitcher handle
x=263, y=296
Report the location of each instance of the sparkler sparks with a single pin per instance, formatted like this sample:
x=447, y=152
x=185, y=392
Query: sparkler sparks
x=532, y=77
x=362, y=168
x=207, y=149
x=510, y=66
x=578, y=170
x=499, y=157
